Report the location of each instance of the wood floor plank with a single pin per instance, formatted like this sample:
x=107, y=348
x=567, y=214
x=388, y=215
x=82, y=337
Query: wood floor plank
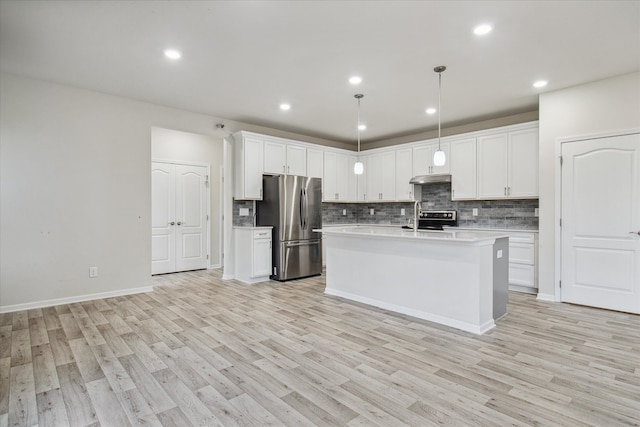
x=51, y=409
x=80, y=410
x=202, y=351
x=23, y=409
x=108, y=408
x=5, y=376
x=44, y=369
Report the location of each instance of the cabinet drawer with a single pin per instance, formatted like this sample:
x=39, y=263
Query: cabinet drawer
x=522, y=252
x=261, y=234
x=521, y=274
x=522, y=238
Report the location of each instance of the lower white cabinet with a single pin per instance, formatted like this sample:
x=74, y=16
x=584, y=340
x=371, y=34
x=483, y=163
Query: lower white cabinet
x=523, y=250
x=253, y=254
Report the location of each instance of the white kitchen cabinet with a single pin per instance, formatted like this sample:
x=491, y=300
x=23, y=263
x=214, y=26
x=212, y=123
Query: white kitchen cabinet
x=508, y=165
x=296, y=160
x=361, y=180
x=249, y=164
x=315, y=162
x=275, y=157
x=523, y=163
x=253, y=253
x=285, y=159
x=352, y=181
x=404, y=173
x=463, y=169
x=523, y=255
x=381, y=179
x=335, y=182
x=423, y=160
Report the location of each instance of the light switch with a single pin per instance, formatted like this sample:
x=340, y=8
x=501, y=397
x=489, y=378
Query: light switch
x=402, y=211
x=499, y=254
x=475, y=212
x=244, y=211
x=344, y=212
x=371, y=211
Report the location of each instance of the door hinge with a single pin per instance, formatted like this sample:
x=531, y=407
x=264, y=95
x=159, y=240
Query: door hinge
x=207, y=256
x=561, y=160
x=560, y=222
x=207, y=217
x=561, y=283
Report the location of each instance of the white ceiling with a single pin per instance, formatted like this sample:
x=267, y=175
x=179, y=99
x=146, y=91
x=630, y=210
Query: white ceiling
x=241, y=59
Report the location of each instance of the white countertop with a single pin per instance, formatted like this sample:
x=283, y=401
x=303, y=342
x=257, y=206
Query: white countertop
x=249, y=227
x=479, y=229
x=397, y=232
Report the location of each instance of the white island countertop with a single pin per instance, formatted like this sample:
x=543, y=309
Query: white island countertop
x=462, y=236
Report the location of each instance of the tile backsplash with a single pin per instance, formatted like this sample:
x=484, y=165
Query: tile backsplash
x=504, y=214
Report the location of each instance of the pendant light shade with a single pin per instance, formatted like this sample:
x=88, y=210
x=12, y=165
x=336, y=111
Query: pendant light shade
x=439, y=158
x=358, y=167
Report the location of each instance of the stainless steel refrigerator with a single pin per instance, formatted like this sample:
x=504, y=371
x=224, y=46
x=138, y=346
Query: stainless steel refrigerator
x=293, y=206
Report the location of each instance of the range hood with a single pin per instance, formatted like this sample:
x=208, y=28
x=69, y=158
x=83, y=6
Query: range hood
x=429, y=179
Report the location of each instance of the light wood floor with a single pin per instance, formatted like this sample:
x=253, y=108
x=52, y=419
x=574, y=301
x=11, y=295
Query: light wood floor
x=202, y=351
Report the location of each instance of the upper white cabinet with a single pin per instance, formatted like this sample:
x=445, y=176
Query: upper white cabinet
x=523, y=163
x=404, y=173
x=381, y=179
x=335, y=182
x=315, y=163
x=287, y=159
x=508, y=165
x=296, y=160
x=463, y=169
x=249, y=163
x=423, y=159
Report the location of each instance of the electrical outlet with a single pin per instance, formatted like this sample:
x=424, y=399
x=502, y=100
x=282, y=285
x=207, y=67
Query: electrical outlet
x=93, y=271
x=371, y=211
x=402, y=211
x=244, y=211
x=499, y=254
x=536, y=212
x=475, y=212
x=344, y=212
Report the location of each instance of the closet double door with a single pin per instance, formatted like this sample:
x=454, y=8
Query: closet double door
x=178, y=217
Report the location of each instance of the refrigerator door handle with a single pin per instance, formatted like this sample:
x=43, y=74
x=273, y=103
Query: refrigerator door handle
x=306, y=209
x=301, y=209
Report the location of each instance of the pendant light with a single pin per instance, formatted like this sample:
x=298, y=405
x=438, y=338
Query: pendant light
x=358, y=167
x=439, y=158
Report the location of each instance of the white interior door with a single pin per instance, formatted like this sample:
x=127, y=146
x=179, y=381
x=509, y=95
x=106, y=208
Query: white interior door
x=179, y=218
x=191, y=217
x=163, y=238
x=601, y=222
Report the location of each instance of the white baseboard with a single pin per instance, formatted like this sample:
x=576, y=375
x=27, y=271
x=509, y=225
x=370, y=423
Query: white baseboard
x=214, y=266
x=546, y=297
x=228, y=277
x=70, y=300
x=447, y=321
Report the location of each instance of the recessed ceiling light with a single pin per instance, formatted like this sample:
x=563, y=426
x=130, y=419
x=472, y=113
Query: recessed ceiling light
x=431, y=110
x=285, y=107
x=540, y=83
x=355, y=80
x=362, y=127
x=483, y=29
x=172, y=54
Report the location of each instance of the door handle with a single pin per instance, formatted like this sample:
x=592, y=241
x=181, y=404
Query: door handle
x=635, y=232
x=180, y=223
x=172, y=223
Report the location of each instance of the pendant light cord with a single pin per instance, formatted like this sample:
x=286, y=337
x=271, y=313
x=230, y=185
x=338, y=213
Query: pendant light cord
x=439, y=105
x=358, y=127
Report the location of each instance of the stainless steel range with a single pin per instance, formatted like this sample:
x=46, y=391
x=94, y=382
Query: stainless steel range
x=436, y=220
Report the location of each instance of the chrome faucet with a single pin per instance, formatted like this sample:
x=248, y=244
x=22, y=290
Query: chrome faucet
x=417, y=207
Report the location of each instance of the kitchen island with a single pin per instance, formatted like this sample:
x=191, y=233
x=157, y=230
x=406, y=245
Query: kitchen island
x=455, y=278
